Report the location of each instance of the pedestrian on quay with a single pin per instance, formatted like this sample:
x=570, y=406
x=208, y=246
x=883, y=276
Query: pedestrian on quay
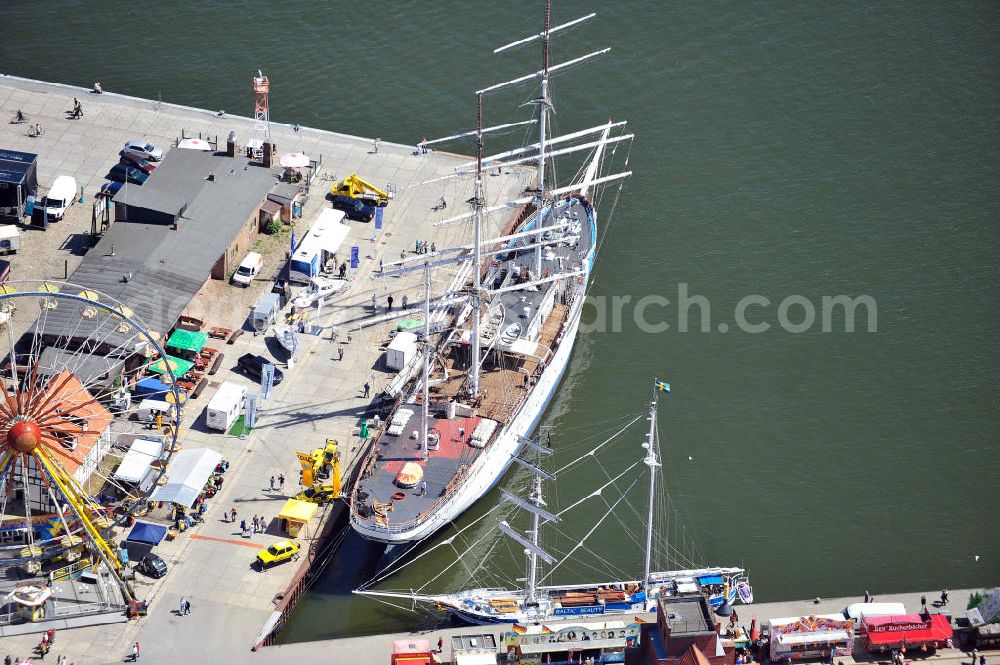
x=243, y=526
x=944, y=597
x=262, y=523
x=340, y=353
x=406, y=302
x=52, y=635
x=281, y=481
x=982, y=659
x=868, y=596
x=135, y=652
x=272, y=483
x=180, y=607
x=368, y=388
x=254, y=523
x=923, y=602
x=434, y=247
x=374, y=304
x=375, y=145
x=390, y=301
x=440, y=644
x=232, y=511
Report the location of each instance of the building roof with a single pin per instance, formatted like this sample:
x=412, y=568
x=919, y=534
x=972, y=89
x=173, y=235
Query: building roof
x=79, y=410
x=167, y=266
x=693, y=656
x=687, y=615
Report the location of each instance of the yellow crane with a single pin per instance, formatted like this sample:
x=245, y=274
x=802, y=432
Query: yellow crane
x=357, y=188
x=320, y=473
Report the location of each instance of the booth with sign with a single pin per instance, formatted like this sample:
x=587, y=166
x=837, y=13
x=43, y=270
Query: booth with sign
x=925, y=632
x=820, y=636
x=604, y=641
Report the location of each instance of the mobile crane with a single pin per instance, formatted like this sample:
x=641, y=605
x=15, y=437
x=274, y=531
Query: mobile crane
x=355, y=187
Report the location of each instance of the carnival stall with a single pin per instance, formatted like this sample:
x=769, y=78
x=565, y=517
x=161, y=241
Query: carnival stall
x=602, y=641
x=820, y=636
x=924, y=632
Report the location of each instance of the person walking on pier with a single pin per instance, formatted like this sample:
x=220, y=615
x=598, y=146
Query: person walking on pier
x=923, y=602
x=281, y=479
x=406, y=302
x=440, y=644
x=944, y=597
x=390, y=301
x=368, y=388
x=375, y=145
x=272, y=483
x=135, y=652
x=232, y=512
x=868, y=596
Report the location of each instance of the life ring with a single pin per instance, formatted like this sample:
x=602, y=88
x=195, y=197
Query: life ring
x=398, y=496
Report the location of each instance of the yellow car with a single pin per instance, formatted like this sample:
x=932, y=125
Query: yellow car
x=279, y=552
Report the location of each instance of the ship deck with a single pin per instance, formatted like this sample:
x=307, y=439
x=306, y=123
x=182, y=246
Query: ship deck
x=510, y=368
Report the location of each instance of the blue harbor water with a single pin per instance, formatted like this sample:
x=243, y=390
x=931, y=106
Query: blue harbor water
x=783, y=150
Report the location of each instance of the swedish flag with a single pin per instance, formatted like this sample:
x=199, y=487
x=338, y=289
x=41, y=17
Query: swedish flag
x=661, y=386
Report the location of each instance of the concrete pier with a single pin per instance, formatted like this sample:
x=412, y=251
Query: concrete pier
x=320, y=398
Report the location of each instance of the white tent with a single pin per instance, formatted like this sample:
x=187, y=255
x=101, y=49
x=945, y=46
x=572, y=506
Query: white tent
x=135, y=467
x=188, y=472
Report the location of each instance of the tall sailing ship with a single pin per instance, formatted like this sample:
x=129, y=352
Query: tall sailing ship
x=536, y=600
x=497, y=351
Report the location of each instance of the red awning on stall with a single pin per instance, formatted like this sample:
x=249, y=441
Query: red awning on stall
x=906, y=629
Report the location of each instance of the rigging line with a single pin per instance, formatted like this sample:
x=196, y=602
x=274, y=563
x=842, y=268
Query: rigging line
x=612, y=569
x=390, y=570
x=628, y=503
x=596, y=492
x=603, y=443
x=610, y=220
x=594, y=528
x=412, y=609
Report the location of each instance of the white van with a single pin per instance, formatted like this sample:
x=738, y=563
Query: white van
x=858, y=611
x=150, y=408
x=226, y=406
x=61, y=196
x=249, y=267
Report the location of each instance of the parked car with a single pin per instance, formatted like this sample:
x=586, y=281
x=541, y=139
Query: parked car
x=251, y=264
x=152, y=566
x=125, y=173
x=355, y=209
x=137, y=162
x=109, y=189
x=253, y=366
x=144, y=149
x=279, y=552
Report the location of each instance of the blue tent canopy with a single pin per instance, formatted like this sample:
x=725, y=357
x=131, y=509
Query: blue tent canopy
x=705, y=580
x=151, y=534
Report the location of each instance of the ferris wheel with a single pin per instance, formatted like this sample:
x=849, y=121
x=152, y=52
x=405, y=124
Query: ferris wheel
x=72, y=361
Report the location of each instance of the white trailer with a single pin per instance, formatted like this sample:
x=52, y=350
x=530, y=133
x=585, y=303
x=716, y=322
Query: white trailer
x=226, y=406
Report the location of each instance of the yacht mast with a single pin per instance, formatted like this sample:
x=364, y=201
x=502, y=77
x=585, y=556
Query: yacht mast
x=652, y=463
x=424, y=446
x=477, y=209
x=543, y=111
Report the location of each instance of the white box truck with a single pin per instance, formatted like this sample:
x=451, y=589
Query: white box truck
x=401, y=350
x=226, y=406
x=60, y=196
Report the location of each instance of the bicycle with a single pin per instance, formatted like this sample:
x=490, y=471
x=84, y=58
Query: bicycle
x=19, y=119
x=35, y=130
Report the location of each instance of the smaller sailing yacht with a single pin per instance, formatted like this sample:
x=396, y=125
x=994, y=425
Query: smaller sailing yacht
x=535, y=602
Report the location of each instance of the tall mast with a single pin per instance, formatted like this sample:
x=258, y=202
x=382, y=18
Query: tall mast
x=652, y=463
x=530, y=590
x=543, y=108
x=477, y=209
x=424, y=447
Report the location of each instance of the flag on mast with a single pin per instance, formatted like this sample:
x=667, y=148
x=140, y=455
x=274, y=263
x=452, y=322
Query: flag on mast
x=661, y=386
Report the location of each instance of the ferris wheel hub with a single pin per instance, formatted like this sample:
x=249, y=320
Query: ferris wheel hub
x=24, y=436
